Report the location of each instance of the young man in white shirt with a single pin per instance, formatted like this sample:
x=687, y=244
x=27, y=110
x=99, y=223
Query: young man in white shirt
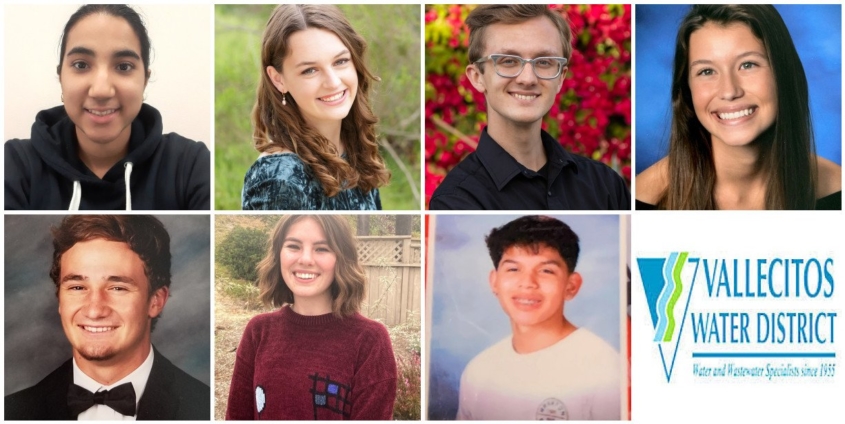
x=547, y=368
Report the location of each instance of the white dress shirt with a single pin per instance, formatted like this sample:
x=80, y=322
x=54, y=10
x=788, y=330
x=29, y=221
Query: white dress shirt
x=138, y=378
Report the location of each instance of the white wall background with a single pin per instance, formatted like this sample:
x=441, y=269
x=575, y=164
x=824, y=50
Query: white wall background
x=181, y=61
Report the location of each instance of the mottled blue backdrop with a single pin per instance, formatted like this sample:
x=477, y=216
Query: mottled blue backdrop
x=817, y=33
x=466, y=318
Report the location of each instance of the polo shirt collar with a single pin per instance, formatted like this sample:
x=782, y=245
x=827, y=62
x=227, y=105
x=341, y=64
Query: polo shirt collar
x=502, y=167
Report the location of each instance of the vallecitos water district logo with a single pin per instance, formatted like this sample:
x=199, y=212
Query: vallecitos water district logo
x=763, y=319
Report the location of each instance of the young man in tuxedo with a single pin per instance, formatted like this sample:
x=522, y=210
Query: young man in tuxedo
x=112, y=278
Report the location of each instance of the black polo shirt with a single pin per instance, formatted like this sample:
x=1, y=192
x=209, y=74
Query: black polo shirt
x=490, y=178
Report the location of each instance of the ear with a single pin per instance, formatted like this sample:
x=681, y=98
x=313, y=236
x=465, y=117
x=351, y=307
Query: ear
x=562, y=77
x=476, y=78
x=573, y=285
x=277, y=79
x=147, y=77
x=492, y=280
x=158, y=300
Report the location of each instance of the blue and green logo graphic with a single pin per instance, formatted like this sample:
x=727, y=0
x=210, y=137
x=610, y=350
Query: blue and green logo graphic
x=666, y=293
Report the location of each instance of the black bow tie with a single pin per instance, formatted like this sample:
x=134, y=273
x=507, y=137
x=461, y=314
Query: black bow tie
x=120, y=398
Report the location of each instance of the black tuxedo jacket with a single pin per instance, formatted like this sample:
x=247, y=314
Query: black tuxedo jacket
x=170, y=394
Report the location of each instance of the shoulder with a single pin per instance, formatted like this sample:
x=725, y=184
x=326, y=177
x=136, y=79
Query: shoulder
x=592, y=346
x=18, y=151
x=262, y=321
x=280, y=181
x=829, y=177
x=176, y=141
x=19, y=156
x=181, y=379
x=460, y=174
x=369, y=331
x=456, y=191
x=653, y=182
x=45, y=400
x=172, y=393
x=280, y=166
x=494, y=356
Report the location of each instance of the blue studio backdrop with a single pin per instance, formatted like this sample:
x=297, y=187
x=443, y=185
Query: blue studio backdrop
x=816, y=31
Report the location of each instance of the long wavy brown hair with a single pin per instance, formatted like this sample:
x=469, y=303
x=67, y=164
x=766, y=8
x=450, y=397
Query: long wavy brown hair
x=281, y=127
x=787, y=148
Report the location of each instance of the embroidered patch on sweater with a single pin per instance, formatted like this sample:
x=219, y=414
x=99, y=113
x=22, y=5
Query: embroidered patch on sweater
x=259, y=399
x=329, y=394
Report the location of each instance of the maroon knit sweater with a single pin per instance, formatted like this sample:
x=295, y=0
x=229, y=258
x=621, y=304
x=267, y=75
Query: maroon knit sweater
x=297, y=367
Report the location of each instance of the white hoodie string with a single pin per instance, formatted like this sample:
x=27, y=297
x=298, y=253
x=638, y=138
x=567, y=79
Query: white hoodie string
x=76, y=197
x=77, y=190
x=126, y=174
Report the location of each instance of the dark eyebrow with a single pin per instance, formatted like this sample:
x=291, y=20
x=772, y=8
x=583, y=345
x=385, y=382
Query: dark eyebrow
x=118, y=54
x=73, y=277
x=296, y=240
x=112, y=278
x=121, y=279
x=306, y=63
x=126, y=53
x=80, y=50
x=742, y=56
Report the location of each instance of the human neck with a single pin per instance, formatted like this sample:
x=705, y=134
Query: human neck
x=99, y=158
x=312, y=305
x=331, y=131
x=530, y=339
x=522, y=141
x=107, y=372
x=740, y=178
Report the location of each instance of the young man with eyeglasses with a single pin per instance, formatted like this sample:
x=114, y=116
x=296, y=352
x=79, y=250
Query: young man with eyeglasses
x=518, y=56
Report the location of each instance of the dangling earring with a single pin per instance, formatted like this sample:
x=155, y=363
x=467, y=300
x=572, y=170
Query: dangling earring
x=63, y=97
x=284, y=99
x=145, y=96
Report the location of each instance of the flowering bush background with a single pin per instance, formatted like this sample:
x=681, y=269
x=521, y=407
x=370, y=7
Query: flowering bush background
x=591, y=115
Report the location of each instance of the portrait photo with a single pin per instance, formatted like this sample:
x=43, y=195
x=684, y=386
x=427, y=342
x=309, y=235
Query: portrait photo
x=339, y=134
x=576, y=111
x=180, y=61
x=317, y=317
x=89, y=302
x=558, y=290
x=107, y=107
x=719, y=130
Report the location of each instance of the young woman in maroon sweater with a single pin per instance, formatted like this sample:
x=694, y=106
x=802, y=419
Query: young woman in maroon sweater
x=316, y=357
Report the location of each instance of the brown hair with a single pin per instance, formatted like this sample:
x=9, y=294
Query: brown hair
x=788, y=150
x=485, y=15
x=349, y=283
x=279, y=127
x=144, y=234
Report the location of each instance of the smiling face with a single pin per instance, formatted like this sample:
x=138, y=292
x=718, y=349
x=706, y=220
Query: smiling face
x=102, y=78
x=732, y=84
x=319, y=74
x=524, y=99
x=308, y=265
x=532, y=285
x=105, y=303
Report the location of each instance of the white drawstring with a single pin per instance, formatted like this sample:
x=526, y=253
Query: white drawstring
x=76, y=197
x=126, y=174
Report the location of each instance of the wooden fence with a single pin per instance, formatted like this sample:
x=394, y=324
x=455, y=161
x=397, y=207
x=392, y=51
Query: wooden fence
x=392, y=264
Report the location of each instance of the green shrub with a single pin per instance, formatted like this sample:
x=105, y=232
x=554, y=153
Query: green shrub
x=241, y=250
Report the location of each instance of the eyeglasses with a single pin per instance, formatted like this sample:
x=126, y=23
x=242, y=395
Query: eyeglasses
x=509, y=66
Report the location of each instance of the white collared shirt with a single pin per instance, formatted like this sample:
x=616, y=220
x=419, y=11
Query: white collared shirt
x=138, y=378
